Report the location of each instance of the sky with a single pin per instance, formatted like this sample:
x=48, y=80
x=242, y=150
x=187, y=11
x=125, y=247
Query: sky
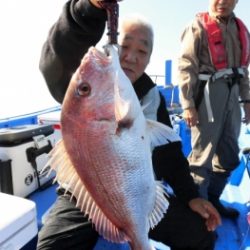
x=24, y=27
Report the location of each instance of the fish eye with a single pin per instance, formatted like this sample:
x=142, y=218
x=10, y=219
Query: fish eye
x=83, y=89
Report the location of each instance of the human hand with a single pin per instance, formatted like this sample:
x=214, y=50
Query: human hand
x=246, y=118
x=95, y=2
x=190, y=115
x=207, y=211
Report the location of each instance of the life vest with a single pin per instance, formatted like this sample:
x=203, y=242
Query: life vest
x=215, y=42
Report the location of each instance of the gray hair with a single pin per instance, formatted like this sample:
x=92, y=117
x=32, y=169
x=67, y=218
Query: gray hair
x=139, y=20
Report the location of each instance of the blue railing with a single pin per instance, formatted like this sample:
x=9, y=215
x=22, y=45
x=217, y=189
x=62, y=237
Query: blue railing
x=25, y=119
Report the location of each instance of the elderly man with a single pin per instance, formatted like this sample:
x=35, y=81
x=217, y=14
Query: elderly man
x=212, y=76
x=190, y=220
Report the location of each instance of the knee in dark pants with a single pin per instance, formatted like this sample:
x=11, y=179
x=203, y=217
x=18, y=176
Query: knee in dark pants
x=207, y=244
x=209, y=241
x=183, y=229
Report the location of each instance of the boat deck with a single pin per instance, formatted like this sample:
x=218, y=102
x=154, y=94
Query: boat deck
x=232, y=234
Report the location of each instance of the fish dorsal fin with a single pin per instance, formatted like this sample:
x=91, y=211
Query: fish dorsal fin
x=67, y=177
x=160, y=134
x=160, y=207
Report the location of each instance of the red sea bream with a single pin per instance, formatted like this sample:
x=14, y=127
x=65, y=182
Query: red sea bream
x=104, y=156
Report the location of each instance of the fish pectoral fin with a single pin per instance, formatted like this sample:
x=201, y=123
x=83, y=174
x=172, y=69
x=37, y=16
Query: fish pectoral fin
x=123, y=105
x=160, y=133
x=123, y=116
x=122, y=109
x=160, y=207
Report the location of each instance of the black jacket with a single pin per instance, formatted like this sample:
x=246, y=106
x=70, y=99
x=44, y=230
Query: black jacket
x=80, y=26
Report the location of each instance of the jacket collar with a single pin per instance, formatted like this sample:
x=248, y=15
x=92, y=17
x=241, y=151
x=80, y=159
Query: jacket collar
x=143, y=85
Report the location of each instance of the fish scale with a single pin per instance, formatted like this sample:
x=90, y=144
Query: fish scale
x=104, y=157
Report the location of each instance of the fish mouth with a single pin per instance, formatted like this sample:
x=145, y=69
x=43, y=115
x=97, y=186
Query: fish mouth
x=100, y=57
x=106, y=54
x=109, y=57
x=111, y=47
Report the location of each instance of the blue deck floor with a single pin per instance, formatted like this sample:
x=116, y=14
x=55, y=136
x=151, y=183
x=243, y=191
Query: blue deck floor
x=235, y=234
x=232, y=234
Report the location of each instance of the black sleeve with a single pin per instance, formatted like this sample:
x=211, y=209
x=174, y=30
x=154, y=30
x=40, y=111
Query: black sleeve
x=162, y=112
x=171, y=165
x=79, y=26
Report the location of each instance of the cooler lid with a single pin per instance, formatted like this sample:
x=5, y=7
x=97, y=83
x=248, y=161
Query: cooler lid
x=16, y=213
x=23, y=133
x=50, y=118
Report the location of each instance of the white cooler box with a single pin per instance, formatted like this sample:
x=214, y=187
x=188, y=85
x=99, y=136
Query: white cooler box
x=18, y=224
x=52, y=118
x=23, y=154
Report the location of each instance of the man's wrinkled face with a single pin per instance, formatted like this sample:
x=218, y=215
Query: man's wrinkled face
x=136, y=47
x=222, y=8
